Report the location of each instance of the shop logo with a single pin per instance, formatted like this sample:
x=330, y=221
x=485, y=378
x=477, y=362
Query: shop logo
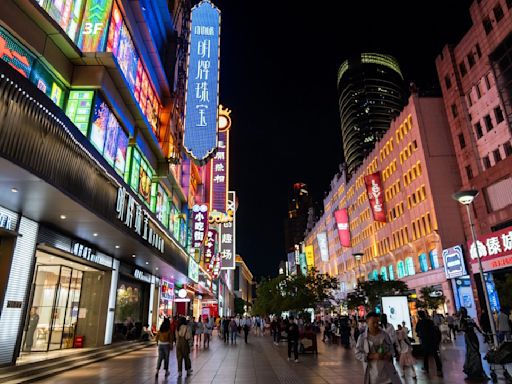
x=5, y=221
x=142, y=276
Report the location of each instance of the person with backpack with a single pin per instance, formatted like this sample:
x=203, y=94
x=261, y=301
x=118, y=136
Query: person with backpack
x=430, y=337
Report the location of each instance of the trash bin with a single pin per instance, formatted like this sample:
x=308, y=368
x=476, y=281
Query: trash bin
x=79, y=342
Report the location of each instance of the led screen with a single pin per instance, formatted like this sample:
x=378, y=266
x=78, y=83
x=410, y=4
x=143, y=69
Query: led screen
x=48, y=84
x=66, y=13
x=79, y=108
x=397, y=310
x=94, y=26
x=15, y=54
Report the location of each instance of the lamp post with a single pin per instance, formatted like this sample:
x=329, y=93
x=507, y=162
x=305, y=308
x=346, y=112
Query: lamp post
x=358, y=256
x=466, y=198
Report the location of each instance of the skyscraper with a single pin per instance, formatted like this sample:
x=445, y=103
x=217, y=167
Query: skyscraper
x=298, y=210
x=371, y=91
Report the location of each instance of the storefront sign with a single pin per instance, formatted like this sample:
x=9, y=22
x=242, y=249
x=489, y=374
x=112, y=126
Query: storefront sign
x=453, y=259
x=209, y=249
x=200, y=217
x=228, y=236
x=139, y=275
x=201, y=100
x=219, y=168
x=374, y=190
x=79, y=109
x=321, y=238
x=494, y=249
x=182, y=293
x=86, y=253
x=341, y=216
x=5, y=221
x=310, y=256
x=135, y=216
x=193, y=270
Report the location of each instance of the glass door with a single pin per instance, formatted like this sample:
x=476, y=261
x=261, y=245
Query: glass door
x=72, y=309
x=59, y=310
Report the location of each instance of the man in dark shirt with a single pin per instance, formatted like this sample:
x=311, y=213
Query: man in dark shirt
x=293, y=340
x=430, y=339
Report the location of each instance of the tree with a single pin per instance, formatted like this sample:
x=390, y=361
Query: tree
x=431, y=298
x=369, y=293
x=239, y=306
x=268, y=296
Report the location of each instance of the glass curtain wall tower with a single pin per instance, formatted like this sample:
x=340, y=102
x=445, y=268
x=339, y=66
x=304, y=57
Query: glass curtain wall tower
x=371, y=92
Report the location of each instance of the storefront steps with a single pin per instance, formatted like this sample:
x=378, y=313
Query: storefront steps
x=26, y=372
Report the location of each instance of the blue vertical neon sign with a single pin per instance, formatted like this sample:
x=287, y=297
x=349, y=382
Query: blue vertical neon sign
x=202, y=92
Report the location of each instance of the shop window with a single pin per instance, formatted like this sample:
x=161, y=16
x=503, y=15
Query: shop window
x=434, y=259
x=391, y=272
x=400, y=268
x=423, y=262
x=409, y=266
x=498, y=114
x=160, y=204
x=384, y=273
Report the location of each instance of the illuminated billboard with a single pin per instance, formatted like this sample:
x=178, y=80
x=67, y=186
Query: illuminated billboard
x=79, y=109
x=202, y=84
x=397, y=310
x=292, y=264
x=310, y=256
x=15, y=54
x=219, y=168
x=341, y=216
x=66, y=13
x=376, y=196
x=228, y=236
x=93, y=29
x=321, y=238
x=193, y=270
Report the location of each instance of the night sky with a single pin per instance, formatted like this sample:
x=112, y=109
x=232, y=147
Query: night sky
x=279, y=62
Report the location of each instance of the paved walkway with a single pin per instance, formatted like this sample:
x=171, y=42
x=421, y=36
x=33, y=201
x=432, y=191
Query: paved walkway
x=254, y=363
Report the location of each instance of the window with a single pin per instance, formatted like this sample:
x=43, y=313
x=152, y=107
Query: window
x=509, y=3
x=487, y=81
x=496, y=154
x=478, y=51
x=469, y=100
x=384, y=273
x=498, y=12
x=487, y=162
x=391, y=272
x=478, y=130
x=477, y=89
x=409, y=266
x=423, y=262
x=375, y=275
x=498, y=114
x=508, y=149
x=462, y=141
x=488, y=123
x=469, y=172
x=448, y=82
x=471, y=60
x=487, y=25
x=462, y=68
x=454, y=111
x=434, y=259
x=400, y=268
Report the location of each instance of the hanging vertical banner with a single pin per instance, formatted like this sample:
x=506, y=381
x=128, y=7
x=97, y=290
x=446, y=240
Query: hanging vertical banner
x=302, y=263
x=209, y=248
x=202, y=84
x=375, y=195
x=292, y=263
x=321, y=238
x=341, y=216
x=228, y=235
x=219, y=168
x=310, y=256
x=200, y=222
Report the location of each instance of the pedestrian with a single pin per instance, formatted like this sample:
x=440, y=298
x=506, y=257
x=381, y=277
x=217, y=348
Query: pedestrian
x=246, y=328
x=233, y=330
x=390, y=330
x=502, y=325
x=275, y=328
x=208, y=329
x=473, y=361
x=451, y=326
x=183, y=340
x=375, y=350
x=293, y=340
x=164, y=340
x=430, y=337
x=406, y=359
x=199, y=331
x=225, y=329
x=485, y=326
x=31, y=328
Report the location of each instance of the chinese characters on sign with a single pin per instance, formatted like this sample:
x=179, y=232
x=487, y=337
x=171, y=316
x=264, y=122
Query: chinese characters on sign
x=310, y=256
x=135, y=216
x=227, y=236
x=193, y=269
x=209, y=249
x=495, y=250
x=376, y=196
x=201, y=103
x=341, y=216
x=219, y=175
x=200, y=216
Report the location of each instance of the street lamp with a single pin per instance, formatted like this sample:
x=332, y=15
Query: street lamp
x=358, y=256
x=466, y=198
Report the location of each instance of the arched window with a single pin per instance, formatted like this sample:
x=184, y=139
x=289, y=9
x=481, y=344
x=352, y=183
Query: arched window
x=384, y=273
x=400, y=269
x=423, y=262
x=375, y=275
x=370, y=276
x=391, y=272
x=409, y=266
x=434, y=259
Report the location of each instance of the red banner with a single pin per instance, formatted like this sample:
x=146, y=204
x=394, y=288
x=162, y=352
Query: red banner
x=492, y=246
x=342, y=223
x=376, y=196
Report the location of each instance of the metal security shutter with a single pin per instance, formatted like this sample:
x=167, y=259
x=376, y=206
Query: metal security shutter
x=47, y=236
x=11, y=319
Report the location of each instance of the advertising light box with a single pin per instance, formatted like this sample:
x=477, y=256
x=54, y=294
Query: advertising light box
x=397, y=310
x=79, y=109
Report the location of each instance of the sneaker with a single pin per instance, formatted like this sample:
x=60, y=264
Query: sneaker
x=296, y=360
x=167, y=373
x=156, y=374
x=189, y=372
x=289, y=359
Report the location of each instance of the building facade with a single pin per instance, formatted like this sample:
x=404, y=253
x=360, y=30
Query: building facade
x=244, y=284
x=95, y=196
x=371, y=92
x=297, y=219
x=417, y=168
x=476, y=81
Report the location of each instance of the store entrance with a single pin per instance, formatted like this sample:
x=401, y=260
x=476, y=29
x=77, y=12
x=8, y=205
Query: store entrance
x=53, y=317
